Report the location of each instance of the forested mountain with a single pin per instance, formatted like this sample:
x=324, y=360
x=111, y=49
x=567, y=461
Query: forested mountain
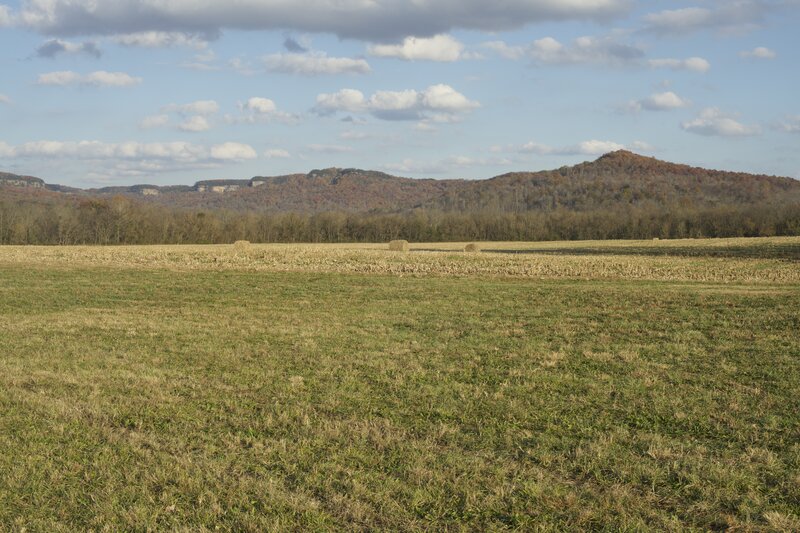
x=621, y=195
x=318, y=191
x=618, y=179
x=615, y=179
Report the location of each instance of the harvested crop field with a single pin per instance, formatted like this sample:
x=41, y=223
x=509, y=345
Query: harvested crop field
x=771, y=260
x=644, y=385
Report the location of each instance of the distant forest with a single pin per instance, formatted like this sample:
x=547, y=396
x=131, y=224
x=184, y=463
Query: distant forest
x=121, y=220
x=620, y=195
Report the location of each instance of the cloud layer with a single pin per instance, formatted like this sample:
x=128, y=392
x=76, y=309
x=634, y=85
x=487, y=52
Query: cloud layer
x=598, y=51
x=728, y=17
x=133, y=158
x=584, y=50
x=387, y=20
x=96, y=150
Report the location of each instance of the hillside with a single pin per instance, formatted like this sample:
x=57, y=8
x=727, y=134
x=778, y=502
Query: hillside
x=618, y=179
x=15, y=180
x=325, y=190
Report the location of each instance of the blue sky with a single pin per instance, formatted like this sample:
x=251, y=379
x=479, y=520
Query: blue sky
x=175, y=91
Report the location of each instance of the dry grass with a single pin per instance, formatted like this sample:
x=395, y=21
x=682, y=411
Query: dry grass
x=506, y=260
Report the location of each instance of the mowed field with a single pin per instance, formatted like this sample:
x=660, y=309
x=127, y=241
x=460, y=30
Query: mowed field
x=650, y=385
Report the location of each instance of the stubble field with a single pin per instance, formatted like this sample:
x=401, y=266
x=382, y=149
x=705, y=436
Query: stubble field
x=532, y=386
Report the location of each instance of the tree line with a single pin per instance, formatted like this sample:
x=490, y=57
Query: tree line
x=121, y=220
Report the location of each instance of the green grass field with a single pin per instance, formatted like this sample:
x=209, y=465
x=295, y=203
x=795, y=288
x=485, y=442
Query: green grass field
x=351, y=388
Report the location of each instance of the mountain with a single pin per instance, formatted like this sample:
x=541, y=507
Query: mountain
x=615, y=180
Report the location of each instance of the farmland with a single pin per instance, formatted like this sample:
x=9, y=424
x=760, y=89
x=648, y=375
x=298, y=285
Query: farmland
x=638, y=385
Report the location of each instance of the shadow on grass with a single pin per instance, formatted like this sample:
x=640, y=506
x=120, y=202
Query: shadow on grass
x=788, y=252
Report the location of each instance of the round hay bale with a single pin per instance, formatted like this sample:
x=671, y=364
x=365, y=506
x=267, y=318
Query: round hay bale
x=399, y=246
x=472, y=247
x=242, y=244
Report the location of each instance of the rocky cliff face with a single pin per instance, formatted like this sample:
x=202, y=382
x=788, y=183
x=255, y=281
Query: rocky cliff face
x=13, y=180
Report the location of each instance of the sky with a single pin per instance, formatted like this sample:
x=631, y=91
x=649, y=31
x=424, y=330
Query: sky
x=123, y=92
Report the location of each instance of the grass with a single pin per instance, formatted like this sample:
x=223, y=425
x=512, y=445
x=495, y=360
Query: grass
x=288, y=388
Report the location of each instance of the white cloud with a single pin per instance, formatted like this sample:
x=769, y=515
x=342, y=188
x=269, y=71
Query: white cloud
x=330, y=148
x=315, y=64
x=5, y=17
x=241, y=66
x=505, y=50
x=726, y=17
x=603, y=51
x=584, y=50
x=195, y=124
x=54, y=47
x=659, y=102
x=641, y=146
x=261, y=105
x=160, y=39
x=425, y=127
x=194, y=116
x=591, y=148
x=99, y=78
x=437, y=48
x=154, y=121
x=590, y=50
x=790, y=124
x=446, y=165
x=444, y=98
x=354, y=135
x=5, y=99
x=350, y=100
x=200, y=107
x=231, y=151
x=132, y=158
x=63, y=77
x=277, y=153
x=199, y=66
x=694, y=64
x=713, y=122
x=664, y=101
x=759, y=52
x=360, y=19
x=261, y=110
x=437, y=102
